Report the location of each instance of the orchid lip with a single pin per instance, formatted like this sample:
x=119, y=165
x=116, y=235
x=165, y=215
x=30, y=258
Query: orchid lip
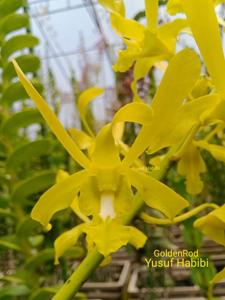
x=107, y=205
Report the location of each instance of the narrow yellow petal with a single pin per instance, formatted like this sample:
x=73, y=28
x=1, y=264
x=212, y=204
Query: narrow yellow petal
x=57, y=198
x=175, y=6
x=124, y=198
x=170, y=31
x=67, y=240
x=87, y=97
x=84, y=100
x=157, y=195
x=182, y=73
x=89, y=198
x=151, y=10
x=213, y=225
x=141, y=69
x=114, y=6
x=219, y=277
x=83, y=140
x=192, y=113
x=203, y=22
x=217, y=151
x=105, y=153
x=127, y=28
x=61, y=176
x=137, y=238
x=52, y=120
x=136, y=112
x=191, y=165
x=75, y=207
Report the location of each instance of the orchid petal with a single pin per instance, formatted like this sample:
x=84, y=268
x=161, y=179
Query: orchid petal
x=67, y=240
x=175, y=6
x=191, y=114
x=114, y=6
x=168, y=32
x=109, y=236
x=137, y=237
x=202, y=19
x=217, y=151
x=52, y=120
x=213, y=225
x=61, y=176
x=134, y=112
x=75, y=207
x=124, y=199
x=127, y=28
x=89, y=199
x=83, y=140
x=57, y=198
x=105, y=152
x=191, y=165
x=179, y=79
x=219, y=277
x=151, y=8
x=141, y=69
x=157, y=195
x=84, y=100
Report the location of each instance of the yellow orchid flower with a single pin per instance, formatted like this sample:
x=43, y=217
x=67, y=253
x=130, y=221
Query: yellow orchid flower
x=176, y=6
x=180, y=118
x=83, y=101
x=191, y=165
x=146, y=45
x=104, y=188
x=217, y=151
x=107, y=234
x=213, y=225
x=203, y=22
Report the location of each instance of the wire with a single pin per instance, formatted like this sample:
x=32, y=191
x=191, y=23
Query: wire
x=60, y=10
x=76, y=52
x=94, y=16
x=50, y=45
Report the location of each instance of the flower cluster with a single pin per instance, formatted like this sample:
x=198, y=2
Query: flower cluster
x=107, y=188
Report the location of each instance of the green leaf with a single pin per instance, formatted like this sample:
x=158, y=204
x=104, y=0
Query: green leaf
x=14, y=22
x=27, y=153
x=36, y=240
x=192, y=237
x=7, y=7
x=14, y=291
x=33, y=185
x=9, y=245
x=22, y=277
x=203, y=276
x=27, y=227
x=3, y=147
x=12, y=279
x=16, y=43
x=43, y=294
x=21, y=120
x=41, y=258
x=6, y=213
x=30, y=63
x=16, y=91
x=74, y=252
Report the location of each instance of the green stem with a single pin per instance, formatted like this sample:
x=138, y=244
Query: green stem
x=152, y=220
x=81, y=274
x=94, y=258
